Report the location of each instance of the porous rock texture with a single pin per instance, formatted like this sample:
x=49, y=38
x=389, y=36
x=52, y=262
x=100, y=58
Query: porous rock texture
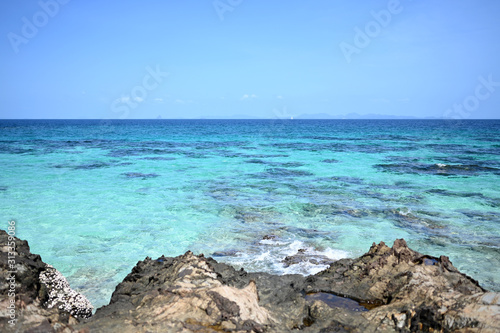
x=419, y=292
x=405, y=290
x=44, y=301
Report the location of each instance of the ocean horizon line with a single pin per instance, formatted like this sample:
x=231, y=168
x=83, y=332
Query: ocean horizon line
x=294, y=119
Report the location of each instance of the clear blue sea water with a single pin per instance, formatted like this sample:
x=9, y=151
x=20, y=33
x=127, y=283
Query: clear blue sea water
x=94, y=197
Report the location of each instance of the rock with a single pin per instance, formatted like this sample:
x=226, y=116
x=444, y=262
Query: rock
x=419, y=292
x=330, y=160
x=140, y=175
x=385, y=290
x=303, y=256
x=269, y=237
x=225, y=253
x=61, y=296
x=180, y=294
x=42, y=298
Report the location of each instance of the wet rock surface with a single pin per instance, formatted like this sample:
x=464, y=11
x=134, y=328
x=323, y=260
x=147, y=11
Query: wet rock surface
x=303, y=255
x=385, y=290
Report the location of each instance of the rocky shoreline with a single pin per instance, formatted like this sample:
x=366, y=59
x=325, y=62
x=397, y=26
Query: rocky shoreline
x=385, y=290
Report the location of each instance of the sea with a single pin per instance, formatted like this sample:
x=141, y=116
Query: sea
x=94, y=197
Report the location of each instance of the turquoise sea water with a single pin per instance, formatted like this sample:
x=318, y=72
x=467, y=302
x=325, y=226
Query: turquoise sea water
x=94, y=197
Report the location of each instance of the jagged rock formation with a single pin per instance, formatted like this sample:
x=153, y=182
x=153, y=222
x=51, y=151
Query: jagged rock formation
x=419, y=292
x=43, y=300
x=386, y=290
x=183, y=293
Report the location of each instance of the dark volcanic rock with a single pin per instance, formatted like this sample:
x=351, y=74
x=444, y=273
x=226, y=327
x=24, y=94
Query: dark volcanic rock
x=225, y=253
x=420, y=292
x=303, y=255
x=386, y=290
x=180, y=294
x=42, y=300
x=269, y=237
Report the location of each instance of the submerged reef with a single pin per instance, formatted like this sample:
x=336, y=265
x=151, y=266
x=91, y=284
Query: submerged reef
x=387, y=289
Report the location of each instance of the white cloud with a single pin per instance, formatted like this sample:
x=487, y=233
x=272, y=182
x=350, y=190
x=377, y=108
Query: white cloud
x=182, y=101
x=380, y=100
x=159, y=100
x=279, y=97
x=139, y=99
x=247, y=96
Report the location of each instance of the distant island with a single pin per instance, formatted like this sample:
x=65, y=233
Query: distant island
x=312, y=116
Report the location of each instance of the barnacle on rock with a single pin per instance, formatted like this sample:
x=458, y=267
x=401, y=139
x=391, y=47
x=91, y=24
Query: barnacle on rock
x=61, y=295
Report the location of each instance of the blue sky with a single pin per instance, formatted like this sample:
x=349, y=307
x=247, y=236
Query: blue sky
x=188, y=59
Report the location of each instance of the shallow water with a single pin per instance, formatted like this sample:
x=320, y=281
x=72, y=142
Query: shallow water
x=94, y=197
